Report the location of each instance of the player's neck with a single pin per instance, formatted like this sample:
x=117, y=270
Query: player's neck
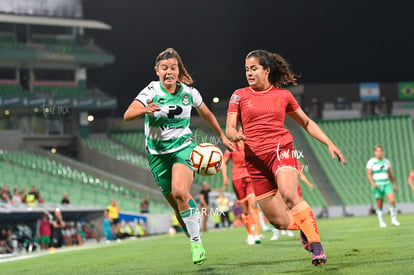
x=261, y=88
x=172, y=89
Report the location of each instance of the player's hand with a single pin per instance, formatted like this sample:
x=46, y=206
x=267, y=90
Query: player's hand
x=336, y=153
x=229, y=145
x=375, y=185
x=311, y=187
x=226, y=181
x=151, y=108
x=395, y=188
x=239, y=137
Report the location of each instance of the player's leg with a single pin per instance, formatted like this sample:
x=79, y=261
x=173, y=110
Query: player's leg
x=379, y=213
x=240, y=190
x=255, y=216
x=169, y=197
x=253, y=209
x=287, y=179
x=182, y=178
x=378, y=195
x=247, y=221
x=393, y=208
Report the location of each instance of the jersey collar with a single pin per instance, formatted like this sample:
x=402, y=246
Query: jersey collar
x=165, y=91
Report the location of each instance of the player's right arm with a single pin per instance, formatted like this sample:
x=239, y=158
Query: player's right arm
x=142, y=104
x=137, y=109
x=233, y=116
x=371, y=180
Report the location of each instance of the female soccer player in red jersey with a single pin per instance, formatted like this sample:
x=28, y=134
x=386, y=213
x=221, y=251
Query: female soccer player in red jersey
x=269, y=153
x=243, y=188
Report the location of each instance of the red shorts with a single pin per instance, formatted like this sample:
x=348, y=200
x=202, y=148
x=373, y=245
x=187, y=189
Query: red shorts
x=263, y=169
x=243, y=188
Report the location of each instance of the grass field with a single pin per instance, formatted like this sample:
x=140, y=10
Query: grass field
x=353, y=245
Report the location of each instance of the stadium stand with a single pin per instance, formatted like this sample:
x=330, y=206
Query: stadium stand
x=356, y=138
x=116, y=150
x=24, y=169
x=60, y=88
x=10, y=87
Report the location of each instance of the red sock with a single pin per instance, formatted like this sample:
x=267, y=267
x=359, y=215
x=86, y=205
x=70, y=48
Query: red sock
x=304, y=218
x=292, y=225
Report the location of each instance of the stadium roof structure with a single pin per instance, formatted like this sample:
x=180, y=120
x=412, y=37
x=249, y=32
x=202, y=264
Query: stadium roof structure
x=53, y=21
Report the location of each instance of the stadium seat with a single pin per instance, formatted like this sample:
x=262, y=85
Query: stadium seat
x=356, y=139
x=53, y=179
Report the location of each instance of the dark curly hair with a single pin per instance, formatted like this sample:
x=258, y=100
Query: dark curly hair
x=280, y=73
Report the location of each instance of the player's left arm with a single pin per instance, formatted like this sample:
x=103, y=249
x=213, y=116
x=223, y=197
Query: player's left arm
x=313, y=129
x=411, y=182
x=305, y=180
x=212, y=122
x=391, y=175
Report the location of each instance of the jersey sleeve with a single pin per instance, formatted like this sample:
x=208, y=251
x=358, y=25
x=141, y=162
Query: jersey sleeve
x=388, y=162
x=146, y=95
x=197, y=98
x=292, y=105
x=369, y=164
x=234, y=103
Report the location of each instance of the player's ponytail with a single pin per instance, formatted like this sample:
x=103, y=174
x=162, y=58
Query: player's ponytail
x=280, y=73
x=183, y=75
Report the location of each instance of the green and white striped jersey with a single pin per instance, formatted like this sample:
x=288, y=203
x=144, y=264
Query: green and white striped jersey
x=379, y=170
x=168, y=130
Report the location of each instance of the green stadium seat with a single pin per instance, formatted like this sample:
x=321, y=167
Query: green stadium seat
x=53, y=179
x=356, y=138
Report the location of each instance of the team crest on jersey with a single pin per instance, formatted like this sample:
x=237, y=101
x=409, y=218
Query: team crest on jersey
x=235, y=99
x=186, y=100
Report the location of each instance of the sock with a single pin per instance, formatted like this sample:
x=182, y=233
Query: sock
x=304, y=218
x=191, y=218
x=393, y=212
x=275, y=232
x=256, y=221
x=292, y=225
x=247, y=222
x=379, y=215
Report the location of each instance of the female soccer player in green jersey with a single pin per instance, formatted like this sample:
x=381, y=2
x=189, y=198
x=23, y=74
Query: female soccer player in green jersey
x=166, y=105
x=383, y=184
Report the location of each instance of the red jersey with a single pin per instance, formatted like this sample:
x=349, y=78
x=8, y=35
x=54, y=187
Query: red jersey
x=262, y=116
x=411, y=176
x=239, y=164
x=44, y=229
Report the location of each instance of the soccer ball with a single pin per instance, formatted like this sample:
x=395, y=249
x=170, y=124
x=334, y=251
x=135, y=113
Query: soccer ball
x=206, y=159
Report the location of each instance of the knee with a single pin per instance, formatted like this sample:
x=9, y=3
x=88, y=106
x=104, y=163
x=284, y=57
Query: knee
x=278, y=223
x=180, y=195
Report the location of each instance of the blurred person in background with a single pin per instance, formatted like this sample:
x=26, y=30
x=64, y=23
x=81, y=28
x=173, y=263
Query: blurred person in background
x=65, y=199
x=16, y=199
x=44, y=230
x=204, y=200
x=411, y=180
x=383, y=184
x=57, y=225
x=243, y=189
x=106, y=227
x=7, y=196
x=23, y=194
x=144, y=206
x=32, y=198
x=223, y=205
x=113, y=214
